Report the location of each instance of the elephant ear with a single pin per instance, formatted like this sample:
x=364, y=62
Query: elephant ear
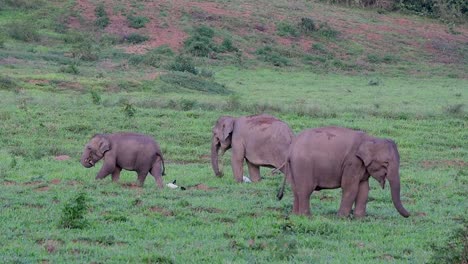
x=364, y=152
x=228, y=127
x=104, y=145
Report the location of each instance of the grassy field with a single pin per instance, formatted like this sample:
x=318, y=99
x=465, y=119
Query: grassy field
x=58, y=91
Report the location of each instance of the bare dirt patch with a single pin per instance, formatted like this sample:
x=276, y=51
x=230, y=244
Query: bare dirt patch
x=9, y=183
x=55, y=181
x=429, y=164
x=161, y=210
x=50, y=245
x=43, y=189
x=131, y=185
x=62, y=157
x=200, y=209
x=201, y=187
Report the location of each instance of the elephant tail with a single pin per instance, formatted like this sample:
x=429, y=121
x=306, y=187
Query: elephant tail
x=164, y=166
x=287, y=171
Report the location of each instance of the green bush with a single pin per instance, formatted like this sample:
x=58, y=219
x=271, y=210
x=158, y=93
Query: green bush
x=194, y=82
x=6, y=83
x=227, y=46
x=102, y=19
x=268, y=54
x=183, y=64
x=307, y=25
x=286, y=29
x=200, y=43
x=327, y=32
x=23, y=30
x=21, y=4
x=135, y=38
x=73, y=213
x=71, y=69
x=137, y=21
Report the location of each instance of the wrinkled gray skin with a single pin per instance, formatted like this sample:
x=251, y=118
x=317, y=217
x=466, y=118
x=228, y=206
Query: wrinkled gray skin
x=129, y=151
x=262, y=140
x=334, y=157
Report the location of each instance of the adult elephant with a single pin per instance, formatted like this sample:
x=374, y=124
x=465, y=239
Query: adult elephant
x=262, y=140
x=334, y=157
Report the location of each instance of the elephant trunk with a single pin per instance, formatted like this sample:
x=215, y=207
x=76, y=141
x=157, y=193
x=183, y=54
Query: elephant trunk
x=394, y=180
x=85, y=161
x=214, y=157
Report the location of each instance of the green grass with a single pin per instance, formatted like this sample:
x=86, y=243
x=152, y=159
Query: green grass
x=48, y=111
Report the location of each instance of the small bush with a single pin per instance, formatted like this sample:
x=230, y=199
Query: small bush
x=128, y=109
x=7, y=83
x=23, y=30
x=135, y=38
x=95, y=97
x=227, y=46
x=71, y=69
x=183, y=64
x=84, y=46
x=21, y=4
x=102, y=19
x=137, y=21
x=286, y=29
x=455, y=109
x=307, y=25
x=193, y=82
x=73, y=213
x=267, y=54
x=200, y=43
x=327, y=32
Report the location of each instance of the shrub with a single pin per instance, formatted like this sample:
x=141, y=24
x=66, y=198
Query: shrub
x=71, y=69
x=20, y=4
x=7, y=83
x=137, y=21
x=267, y=54
x=193, y=82
x=102, y=19
x=200, y=43
x=73, y=213
x=285, y=29
x=95, y=97
x=83, y=46
x=24, y=30
x=183, y=64
x=327, y=32
x=128, y=109
x=227, y=46
x=307, y=25
x=135, y=38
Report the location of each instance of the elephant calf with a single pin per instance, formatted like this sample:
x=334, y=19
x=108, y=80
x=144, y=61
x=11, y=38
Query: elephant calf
x=262, y=140
x=129, y=151
x=334, y=157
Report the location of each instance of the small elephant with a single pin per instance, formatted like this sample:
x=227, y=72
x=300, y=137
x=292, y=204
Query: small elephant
x=129, y=151
x=334, y=157
x=262, y=140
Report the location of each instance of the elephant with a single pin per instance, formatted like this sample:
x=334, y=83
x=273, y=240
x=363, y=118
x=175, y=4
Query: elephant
x=129, y=151
x=334, y=157
x=262, y=140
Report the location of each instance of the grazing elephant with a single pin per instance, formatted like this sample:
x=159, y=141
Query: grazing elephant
x=262, y=140
x=334, y=157
x=129, y=151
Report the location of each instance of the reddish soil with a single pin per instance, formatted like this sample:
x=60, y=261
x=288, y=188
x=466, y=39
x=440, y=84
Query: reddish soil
x=428, y=164
x=201, y=187
x=62, y=157
x=43, y=189
x=162, y=211
x=55, y=181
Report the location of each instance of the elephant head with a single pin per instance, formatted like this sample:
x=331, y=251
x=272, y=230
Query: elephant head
x=222, y=135
x=382, y=161
x=94, y=150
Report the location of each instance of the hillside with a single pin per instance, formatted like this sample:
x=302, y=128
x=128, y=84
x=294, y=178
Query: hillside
x=309, y=34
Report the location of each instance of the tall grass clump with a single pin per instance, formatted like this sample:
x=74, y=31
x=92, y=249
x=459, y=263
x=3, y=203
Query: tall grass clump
x=183, y=63
x=201, y=43
x=73, y=213
x=23, y=30
x=194, y=82
x=7, y=83
x=135, y=38
x=455, y=249
x=268, y=54
x=286, y=29
x=137, y=21
x=102, y=19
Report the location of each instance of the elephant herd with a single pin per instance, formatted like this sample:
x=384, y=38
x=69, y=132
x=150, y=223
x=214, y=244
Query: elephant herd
x=314, y=159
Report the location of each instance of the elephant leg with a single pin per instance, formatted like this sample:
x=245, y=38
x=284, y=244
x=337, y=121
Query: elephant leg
x=157, y=173
x=254, y=172
x=237, y=161
x=303, y=202
x=361, y=199
x=349, y=193
x=296, y=204
x=116, y=174
x=106, y=169
x=141, y=177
